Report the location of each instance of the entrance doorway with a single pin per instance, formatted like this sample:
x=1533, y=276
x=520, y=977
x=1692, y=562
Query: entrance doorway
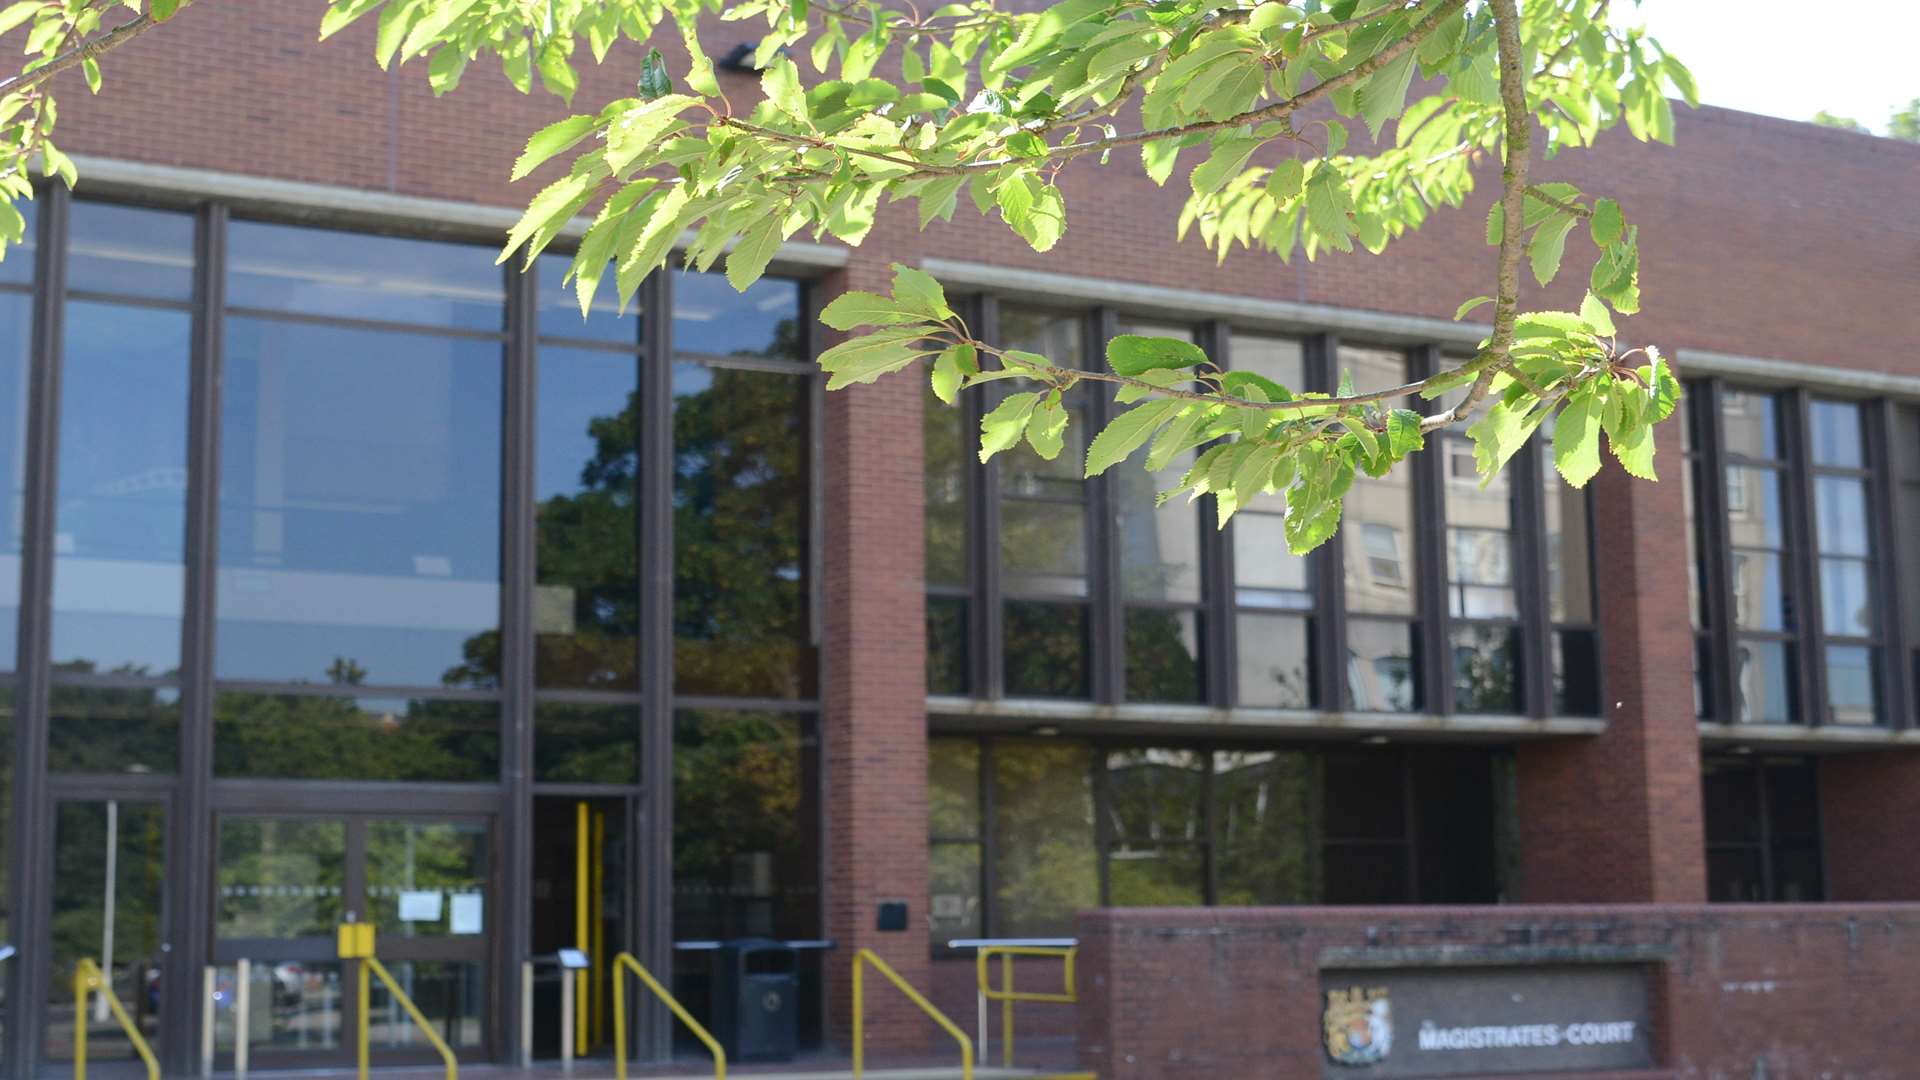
x=581, y=863
x=284, y=883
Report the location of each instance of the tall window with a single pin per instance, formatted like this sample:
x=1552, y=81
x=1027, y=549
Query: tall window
x=120, y=518
x=359, y=505
x=1483, y=603
x=1567, y=550
x=1273, y=590
x=1045, y=530
x=1160, y=570
x=1377, y=541
x=1843, y=538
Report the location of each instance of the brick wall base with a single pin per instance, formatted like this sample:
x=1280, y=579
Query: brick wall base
x=1738, y=991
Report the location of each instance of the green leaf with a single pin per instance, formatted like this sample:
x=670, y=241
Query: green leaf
x=1287, y=179
x=1228, y=158
x=1403, y=432
x=1500, y=434
x=1663, y=389
x=950, y=369
x=91, y=69
x=1496, y=223
x=1467, y=307
x=1327, y=207
x=749, y=258
x=1635, y=451
x=1576, y=441
x=1002, y=427
x=12, y=16
x=162, y=10
x=916, y=290
x=1134, y=354
x=1239, y=383
x=781, y=84
x=1047, y=428
x=1606, y=223
x=1128, y=432
x=1384, y=94
x=654, y=80
x=852, y=309
x=700, y=77
x=1549, y=243
x=553, y=139
x=1594, y=313
x=864, y=359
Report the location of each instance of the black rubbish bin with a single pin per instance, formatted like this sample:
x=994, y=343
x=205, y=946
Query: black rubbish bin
x=756, y=1014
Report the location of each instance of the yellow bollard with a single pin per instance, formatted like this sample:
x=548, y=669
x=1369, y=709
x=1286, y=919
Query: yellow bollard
x=87, y=977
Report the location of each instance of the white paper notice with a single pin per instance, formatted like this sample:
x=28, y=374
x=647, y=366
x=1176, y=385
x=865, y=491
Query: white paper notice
x=467, y=915
x=420, y=906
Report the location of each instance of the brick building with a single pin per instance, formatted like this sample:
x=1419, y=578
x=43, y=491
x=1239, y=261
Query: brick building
x=344, y=576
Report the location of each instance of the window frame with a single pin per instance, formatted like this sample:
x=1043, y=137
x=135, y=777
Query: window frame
x=1423, y=557
x=1718, y=640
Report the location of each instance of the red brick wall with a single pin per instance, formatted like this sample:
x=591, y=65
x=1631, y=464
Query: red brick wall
x=1868, y=805
x=1617, y=818
x=1761, y=237
x=1745, y=990
x=873, y=727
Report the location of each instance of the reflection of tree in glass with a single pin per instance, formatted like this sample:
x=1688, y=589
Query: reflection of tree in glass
x=258, y=856
x=1046, y=862
x=740, y=516
x=79, y=893
x=111, y=729
x=946, y=455
x=1046, y=649
x=1162, y=663
x=337, y=738
x=745, y=854
x=1264, y=824
x=1155, y=818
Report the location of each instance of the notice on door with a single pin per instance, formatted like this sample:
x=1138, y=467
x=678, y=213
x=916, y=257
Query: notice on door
x=468, y=913
x=420, y=906
x=1482, y=1021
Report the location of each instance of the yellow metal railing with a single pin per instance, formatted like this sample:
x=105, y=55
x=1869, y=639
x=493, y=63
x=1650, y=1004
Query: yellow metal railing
x=419, y=1018
x=88, y=978
x=1005, y=993
x=868, y=956
x=626, y=960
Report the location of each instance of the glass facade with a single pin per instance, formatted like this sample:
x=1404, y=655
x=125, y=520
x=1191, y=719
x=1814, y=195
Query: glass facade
x=339, y=520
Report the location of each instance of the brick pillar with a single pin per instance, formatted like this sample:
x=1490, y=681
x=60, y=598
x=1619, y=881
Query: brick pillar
x=873, y=725
x=1616, y=817
x=1868, y=804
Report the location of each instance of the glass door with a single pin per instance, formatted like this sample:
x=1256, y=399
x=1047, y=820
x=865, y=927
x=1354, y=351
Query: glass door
x=286, y=882
x=109, y=859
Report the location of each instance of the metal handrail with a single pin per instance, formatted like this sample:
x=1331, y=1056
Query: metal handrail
x=88, y=977
x=627, y=960
x=1006, y=995
x=868, y=956
x=419, y=1018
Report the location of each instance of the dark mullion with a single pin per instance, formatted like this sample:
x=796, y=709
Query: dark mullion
x=1803, y=556
x=194, y=817
x=1219, y=637
x=1102, y=826
x=988, y=620
x=653, y=936
x=1411, y=825
x=518, y=570
x=1710, y=496
x=989, y=881
x=1895, y=675
x=1430, y=539
x=29, y=860
x=1766, y=830
x=1107, y=666
x=1329, y=637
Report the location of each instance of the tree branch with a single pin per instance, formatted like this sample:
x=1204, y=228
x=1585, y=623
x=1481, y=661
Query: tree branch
x=1536, y=192
x=86, y=50
x=1513, y=204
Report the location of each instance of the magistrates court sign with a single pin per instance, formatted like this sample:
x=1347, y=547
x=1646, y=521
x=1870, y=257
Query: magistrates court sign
x=1479, y=1021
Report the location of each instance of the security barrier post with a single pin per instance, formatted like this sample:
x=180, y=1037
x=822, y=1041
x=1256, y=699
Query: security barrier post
x=627, y=961
x=88, y=978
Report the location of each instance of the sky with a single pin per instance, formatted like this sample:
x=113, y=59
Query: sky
x=1780, y=58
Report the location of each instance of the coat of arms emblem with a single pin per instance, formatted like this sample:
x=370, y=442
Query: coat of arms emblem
x=1359, y=1025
